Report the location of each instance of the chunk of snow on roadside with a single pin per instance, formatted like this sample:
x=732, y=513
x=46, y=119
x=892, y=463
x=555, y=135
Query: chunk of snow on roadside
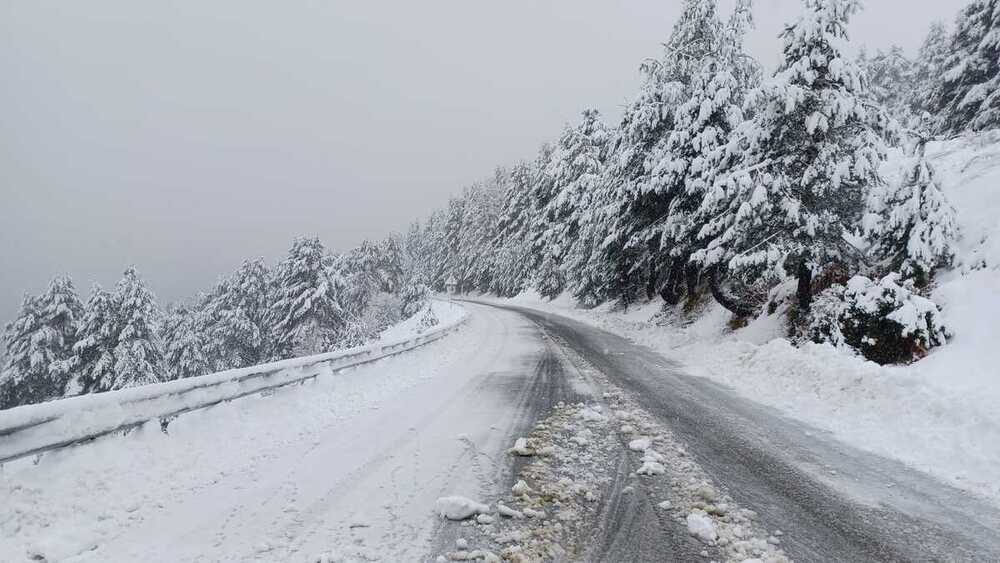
x=459, y=508
x=486, y=556
x=521, y=448
x=521, y=488
x=509, y=512
x=588, y=414
x=651, y=468
x=702, y=527
x=707, y=493
x=510, y=537
x=640, y=444
x=652, y=455
x=531, y=513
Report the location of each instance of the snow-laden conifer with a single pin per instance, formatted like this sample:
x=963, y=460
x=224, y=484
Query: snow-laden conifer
x=911, y=224
x=968, y=94
x=891, y=82
x=188, y=337
x=93, y=353
x=238, y=316
x=306, y=314
x=39, y=345
x=927, y=69
x=631, y=248
x=807, y=159
x=138, y=352
x=510, y=244
x=694, y=154
x=576, y=170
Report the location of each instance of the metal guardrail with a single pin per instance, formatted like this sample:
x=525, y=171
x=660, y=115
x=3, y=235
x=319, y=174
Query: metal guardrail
x=16, y=440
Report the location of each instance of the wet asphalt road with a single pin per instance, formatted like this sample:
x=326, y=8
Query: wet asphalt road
x=833, y=502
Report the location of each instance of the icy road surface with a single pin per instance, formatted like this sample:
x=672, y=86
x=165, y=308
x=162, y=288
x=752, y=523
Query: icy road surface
x=350, y=465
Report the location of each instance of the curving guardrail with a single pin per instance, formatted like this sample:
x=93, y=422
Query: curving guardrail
x=34, y=429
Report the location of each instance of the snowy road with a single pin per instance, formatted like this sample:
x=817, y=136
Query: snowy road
x=349, y=466
x=833, y=502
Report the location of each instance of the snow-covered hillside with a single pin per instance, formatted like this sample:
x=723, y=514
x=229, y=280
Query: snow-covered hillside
x=939, y=414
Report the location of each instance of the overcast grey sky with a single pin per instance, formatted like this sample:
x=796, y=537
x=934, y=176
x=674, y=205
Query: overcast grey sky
x=185, y=136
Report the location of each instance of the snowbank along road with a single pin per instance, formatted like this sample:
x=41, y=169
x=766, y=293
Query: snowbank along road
x=631, y=461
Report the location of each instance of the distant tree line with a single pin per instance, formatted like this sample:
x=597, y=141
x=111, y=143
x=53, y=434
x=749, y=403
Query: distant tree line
x=758, y=192
x=310, y=302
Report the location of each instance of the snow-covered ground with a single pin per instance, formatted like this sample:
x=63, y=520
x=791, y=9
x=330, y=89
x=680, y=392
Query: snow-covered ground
x=347, y=465
x=940, y=415
x=445, y=312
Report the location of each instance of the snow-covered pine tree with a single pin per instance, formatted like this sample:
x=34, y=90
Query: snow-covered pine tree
x=360, y=268
x=451, y=244
x=575, y=170
x=891, y=77
x=593, y=275
x=237, y=318
x=93, y=353
x=583, y=230
x=186, y=335
x=306, y=314
x=540, y=195
x=968, y=94
x=807, y=157
x=928, y=67
x=375, y=267
x=510, y=248
x=414, y=296
x=911, y=225
x=631, y=251
x=436, y=268
x=415, y=252
x=23, y=380
x=39, y=344
x=389, y=264
x=694, y=154
x=474, y=258
x=138, y=352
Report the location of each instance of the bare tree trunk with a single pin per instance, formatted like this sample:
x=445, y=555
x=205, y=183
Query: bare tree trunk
x=691, y=277
x=731, y=304
x=804, y=291
x=652, y=275
x=669, y=291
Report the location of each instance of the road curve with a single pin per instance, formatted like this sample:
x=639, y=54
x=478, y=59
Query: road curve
x=834, y=502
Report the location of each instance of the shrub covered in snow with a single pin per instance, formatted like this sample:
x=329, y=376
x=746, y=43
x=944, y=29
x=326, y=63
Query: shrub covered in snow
x=413, y=297
x=428, y=319
x=884, y=320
